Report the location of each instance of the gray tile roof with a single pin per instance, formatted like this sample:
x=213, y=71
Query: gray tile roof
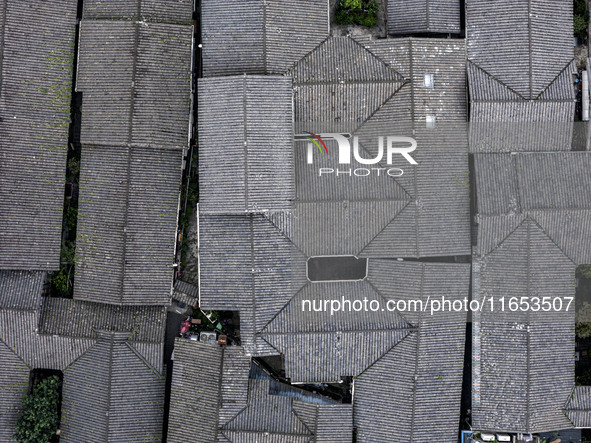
x=409, y=16
x=186, y=292
x=533, y=216
x=321, y=347
x=176, y=11
x=259, y=37
x=578, y=407
x=208, y=382
x=127, y=225
x=19, y=332
x=14, y=377
x=255, y=263
x=256, y=133
x=35, y=84
x=339, y=85
x=131, y=162
x=76, y=318
x=418, y=382
x=260, y=271
x=107, y=374
x=523, y=44
x=520, y=74
x=112, y=394
x=502, y=120
x=413, y=392
x=213, y=400
x=511, y=188
x=143, y=99
x=21, y=289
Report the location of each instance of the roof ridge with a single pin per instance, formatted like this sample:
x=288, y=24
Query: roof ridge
x=531, y=218
x=293, y=411
x=289, y=71
x=374, y=287
x=282, y=309
x=388, y=224
x=402, y=78
x=14, y=352
x=267, y=216
x=412, y=331
x=562, y=71
x=141, y=357
x=509, y=88
x=387, y=65
x=498, y=245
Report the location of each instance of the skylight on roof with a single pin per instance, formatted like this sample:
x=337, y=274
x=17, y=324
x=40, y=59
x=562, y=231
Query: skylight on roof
x=428, y=82
x=337, y=268
x=430, y=121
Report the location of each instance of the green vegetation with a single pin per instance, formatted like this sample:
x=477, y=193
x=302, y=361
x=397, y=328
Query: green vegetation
x=584, y=379
x=583, y=306
x=40, y=417
x=582, y=316
x=191, y=195
x=580, y=19
x=62, y=280
x=584, y=271
x=357, y=12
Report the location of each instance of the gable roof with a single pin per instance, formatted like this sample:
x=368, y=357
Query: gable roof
x=324, y=347
x=215, y=378
x=259, y=37
x=35, y=83
x=367, y=88
x=409, y=16
x=520, y=67
x=143, y=99
x=244, y=156
x=416, y=385
x=260, y=272
x=126, y=233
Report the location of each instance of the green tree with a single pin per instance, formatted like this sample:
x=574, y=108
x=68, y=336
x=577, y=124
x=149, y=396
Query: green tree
x=580, y=19
x=584, y=271
x=583, y=320
x=39, y=419
x=359, y=12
